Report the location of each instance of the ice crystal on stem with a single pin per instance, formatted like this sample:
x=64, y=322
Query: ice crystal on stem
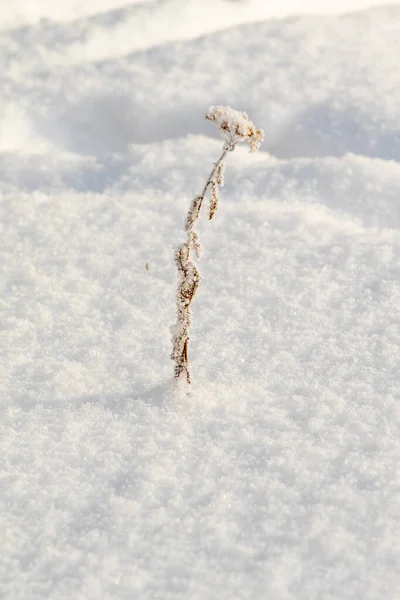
x=235, y=127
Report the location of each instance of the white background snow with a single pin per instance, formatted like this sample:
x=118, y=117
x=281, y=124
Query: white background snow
x=278, y=478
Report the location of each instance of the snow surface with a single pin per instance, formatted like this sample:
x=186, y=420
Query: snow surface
x=278, y=478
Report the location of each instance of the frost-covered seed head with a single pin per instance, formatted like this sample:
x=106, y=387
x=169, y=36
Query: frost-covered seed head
x=235, y=126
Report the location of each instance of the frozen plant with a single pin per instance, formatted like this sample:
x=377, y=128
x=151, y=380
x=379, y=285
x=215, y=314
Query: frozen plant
x=235, y=127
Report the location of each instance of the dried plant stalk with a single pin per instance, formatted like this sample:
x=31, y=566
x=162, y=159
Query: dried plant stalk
x=235, y=127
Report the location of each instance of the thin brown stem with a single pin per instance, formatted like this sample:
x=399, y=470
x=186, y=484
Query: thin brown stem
x=186, y=351
x=235, y=127
x=227, y=148
x=188, y=275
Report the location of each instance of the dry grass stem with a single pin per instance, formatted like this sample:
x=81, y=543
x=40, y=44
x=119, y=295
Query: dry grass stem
x=235, y=127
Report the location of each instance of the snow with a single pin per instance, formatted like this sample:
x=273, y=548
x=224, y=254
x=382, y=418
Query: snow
x=278, y=476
